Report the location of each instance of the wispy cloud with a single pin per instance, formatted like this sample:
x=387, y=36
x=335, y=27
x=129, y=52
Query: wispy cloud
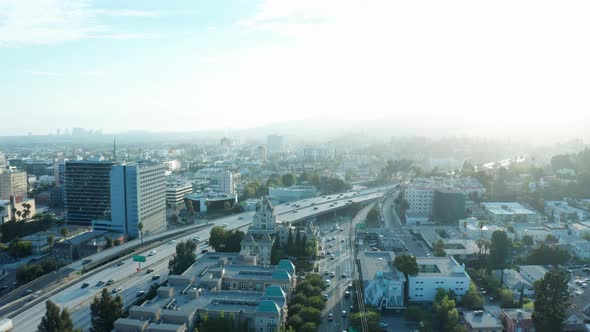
x=25, y=22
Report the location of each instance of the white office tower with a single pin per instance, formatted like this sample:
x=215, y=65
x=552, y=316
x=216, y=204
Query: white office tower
x=138, y=195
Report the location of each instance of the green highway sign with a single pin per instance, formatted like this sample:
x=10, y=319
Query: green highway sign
x=139, y=258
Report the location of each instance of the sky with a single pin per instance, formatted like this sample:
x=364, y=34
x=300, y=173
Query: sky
x=489, y=68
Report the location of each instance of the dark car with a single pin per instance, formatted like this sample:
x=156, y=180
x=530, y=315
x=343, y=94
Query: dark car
x=100, y=283
x=86, y=261
x=84, y=285
x=156, y=277
x=204, y=251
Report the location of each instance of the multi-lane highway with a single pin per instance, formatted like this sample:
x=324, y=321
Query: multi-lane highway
x=125, y=276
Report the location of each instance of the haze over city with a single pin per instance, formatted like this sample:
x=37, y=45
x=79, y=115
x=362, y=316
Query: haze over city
x=458, y=67
x=294, y=166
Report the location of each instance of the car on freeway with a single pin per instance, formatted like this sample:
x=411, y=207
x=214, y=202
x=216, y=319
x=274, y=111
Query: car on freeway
x=140, y=293
x=332, y=257
x=155, y=277
x=116, y=290
x=383, y=324
x=86, y=261
x=224, y=225
x=327, y=272
x=330, y=316
x=325, y=297
x=204, y=251
x=84, y=285
x=152, y=252
x=241, y=218
x=332, y=274
x=343, y=313
x=110, y=282
x=28, y=291
x=121, y=263
x=171, y=241
x=343, y=275
x=328, y=282
x=100, y=283
x=350, y=285
x=149, y=270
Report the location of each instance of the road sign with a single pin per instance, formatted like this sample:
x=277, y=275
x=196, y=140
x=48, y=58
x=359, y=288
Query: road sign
x=139, y=258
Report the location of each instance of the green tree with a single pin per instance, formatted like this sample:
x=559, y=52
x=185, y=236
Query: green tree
x=373, y=319
x=438, y=249
x=108, y=242
x=528, y=240
x=104, y=311
x=288, y=179
x=19, y=248
x=217, y=238
x=506, y=298
x=309, y=327
x=183, y=258
x=500, y=249
x=406, y=264
x=472, y=299
x=552, y=301
x=446, y=312
x=26, y=210
x=55, y=320
x=309, y=314
x=546, y=255
x=290, y=242
x=189, y=208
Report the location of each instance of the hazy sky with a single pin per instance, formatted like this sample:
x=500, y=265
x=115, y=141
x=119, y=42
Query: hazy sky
x=488, y=67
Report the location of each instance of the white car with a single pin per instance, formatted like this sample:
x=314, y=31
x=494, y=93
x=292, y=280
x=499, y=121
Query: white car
x=171, y=241
x=152, y=252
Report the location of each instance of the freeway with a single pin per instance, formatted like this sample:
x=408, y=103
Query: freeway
x=125, y=276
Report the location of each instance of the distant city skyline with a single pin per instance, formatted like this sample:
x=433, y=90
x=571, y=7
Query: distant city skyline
x=459, y=67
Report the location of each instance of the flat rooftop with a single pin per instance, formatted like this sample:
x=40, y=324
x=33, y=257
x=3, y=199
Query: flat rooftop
x=502, y=208
x=378, y=264
x=479, y=319
x=440, y=266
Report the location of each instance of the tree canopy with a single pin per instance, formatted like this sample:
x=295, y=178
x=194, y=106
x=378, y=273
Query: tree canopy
x=104, y=311
x=55, y=320
x=222, y=240
x=183, y=258
x=406, y=264
x=552, y=301
x=500, y=248
x=547, y=255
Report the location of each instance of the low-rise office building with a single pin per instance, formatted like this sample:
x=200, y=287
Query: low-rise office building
x=435, y=273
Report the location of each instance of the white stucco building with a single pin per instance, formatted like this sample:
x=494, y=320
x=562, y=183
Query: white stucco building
x=435, y=273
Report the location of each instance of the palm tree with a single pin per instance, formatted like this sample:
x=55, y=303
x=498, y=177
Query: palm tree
x=140, y=227
x=26, y=210
x=19, y=214
x=50, y=240
x=481, y=224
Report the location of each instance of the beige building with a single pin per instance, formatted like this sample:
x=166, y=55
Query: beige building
x=13, y=184
x=260, y=236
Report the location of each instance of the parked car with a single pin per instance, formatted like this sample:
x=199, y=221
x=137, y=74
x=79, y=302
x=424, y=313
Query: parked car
x=325, y=297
